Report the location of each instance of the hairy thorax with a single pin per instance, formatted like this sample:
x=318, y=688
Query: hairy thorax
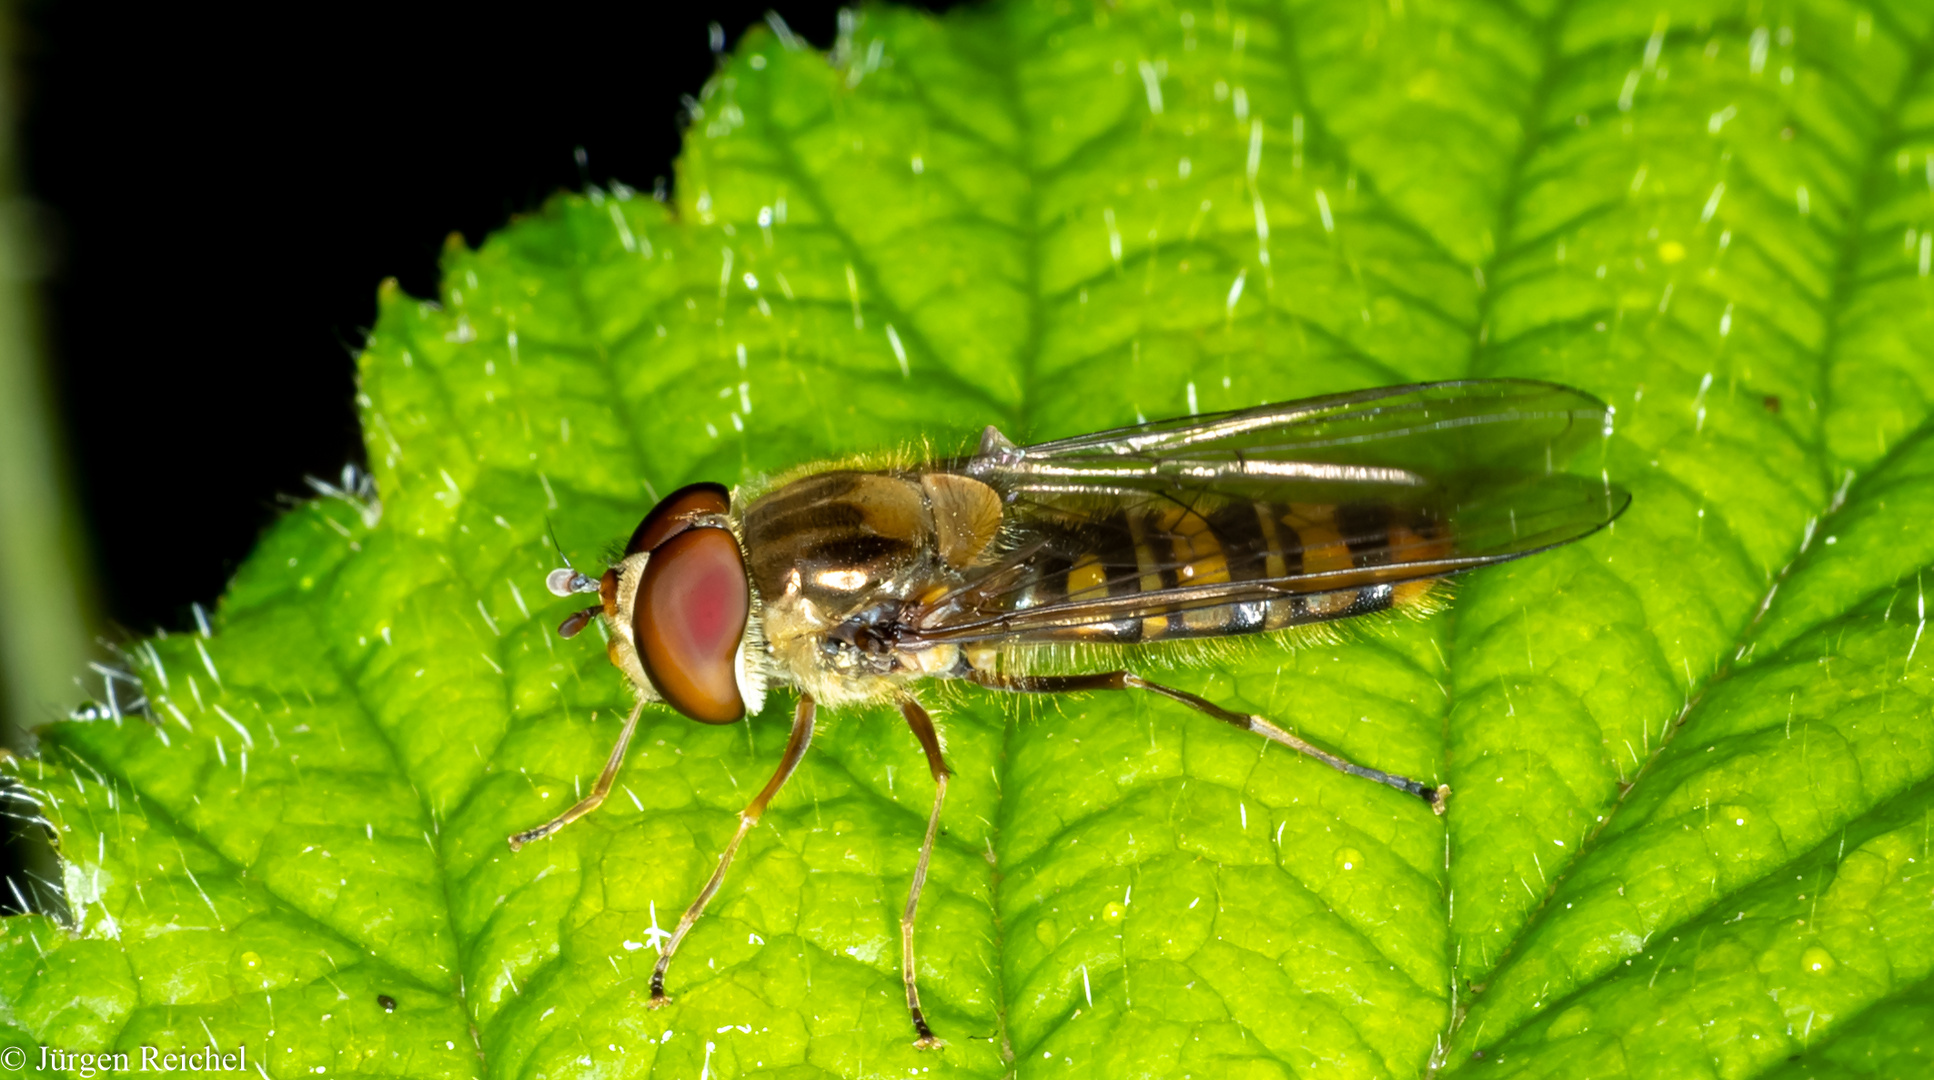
x=837, y=557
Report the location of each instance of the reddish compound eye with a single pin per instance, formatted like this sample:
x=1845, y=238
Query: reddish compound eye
x=674, y=514
x=689, y=614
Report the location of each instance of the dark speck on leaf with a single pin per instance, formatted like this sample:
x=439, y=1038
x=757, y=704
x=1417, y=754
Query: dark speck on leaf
x=387, y=1002
x=1772, y=403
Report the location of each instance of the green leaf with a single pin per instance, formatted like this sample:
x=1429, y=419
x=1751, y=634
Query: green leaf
x=1693, y=756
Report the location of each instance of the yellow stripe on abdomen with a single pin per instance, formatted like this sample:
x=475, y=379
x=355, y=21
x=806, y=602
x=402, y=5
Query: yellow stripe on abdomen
x=1323, y=550
x=1200, y=559
x=1406, y=546
x=1153, y=626
x=1087, y=580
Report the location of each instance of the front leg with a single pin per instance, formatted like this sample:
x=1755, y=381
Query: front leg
x=796, y=744
x=598, y=791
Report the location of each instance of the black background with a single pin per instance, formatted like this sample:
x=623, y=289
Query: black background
x=228, y=187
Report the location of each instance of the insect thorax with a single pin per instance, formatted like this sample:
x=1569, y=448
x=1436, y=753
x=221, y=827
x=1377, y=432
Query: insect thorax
x=835, y=557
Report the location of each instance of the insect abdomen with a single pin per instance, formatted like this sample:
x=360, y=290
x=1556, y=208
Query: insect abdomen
x=1363, y=546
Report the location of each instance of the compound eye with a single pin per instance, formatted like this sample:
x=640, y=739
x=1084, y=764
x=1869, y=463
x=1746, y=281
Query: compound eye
x=674, y=514
x=688, y=617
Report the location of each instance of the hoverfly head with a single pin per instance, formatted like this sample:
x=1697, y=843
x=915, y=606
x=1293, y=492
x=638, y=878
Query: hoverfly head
x=680, y=606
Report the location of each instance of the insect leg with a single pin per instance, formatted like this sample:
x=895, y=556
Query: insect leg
x=1128, y=680
x=922, y=726
x=796, y=743
x=598, y=790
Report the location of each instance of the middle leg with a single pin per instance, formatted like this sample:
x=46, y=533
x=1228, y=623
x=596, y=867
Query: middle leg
x=923, y=729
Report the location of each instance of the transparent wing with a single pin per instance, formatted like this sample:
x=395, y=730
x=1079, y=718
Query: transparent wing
x=1330, y=448
x=1301, y=499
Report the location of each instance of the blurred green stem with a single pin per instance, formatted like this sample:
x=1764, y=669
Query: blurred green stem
x=44, y=603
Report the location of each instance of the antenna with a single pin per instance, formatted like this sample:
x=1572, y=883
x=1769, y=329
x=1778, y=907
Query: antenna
x=551, y=528
x=568, y=580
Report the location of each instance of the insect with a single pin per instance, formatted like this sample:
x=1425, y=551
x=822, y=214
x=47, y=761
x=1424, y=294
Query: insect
x=854, y=584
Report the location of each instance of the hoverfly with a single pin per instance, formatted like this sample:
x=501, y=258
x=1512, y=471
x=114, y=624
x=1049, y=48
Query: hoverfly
x=853, y=584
